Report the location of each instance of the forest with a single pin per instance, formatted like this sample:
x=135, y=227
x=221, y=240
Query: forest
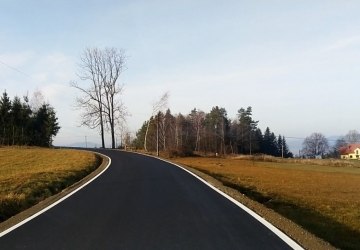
x=24, y=124
x=209, y=133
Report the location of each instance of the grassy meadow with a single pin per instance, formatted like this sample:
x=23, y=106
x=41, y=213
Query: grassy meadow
x=29, y=175
x=323, y=196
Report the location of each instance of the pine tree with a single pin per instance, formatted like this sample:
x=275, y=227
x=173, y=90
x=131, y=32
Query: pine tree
x=20, y=126
x=16, y=121
x=26, y=122
x=287, y=153
x=45, y=126
x=217, y=125
x=270, y=146
x=246, y=128
x=5, y=109
x=280, y=147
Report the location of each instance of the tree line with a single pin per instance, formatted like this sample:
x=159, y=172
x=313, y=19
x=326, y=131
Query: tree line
x=209, y=133
x=317, y=145
x=24, y=124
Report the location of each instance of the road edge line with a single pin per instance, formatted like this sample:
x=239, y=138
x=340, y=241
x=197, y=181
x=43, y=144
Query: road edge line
x=263, y=221
x=3, y=233
x=293, y=244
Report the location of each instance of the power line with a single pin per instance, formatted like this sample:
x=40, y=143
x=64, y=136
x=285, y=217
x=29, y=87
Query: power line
x=13, y=68
x=303, y=138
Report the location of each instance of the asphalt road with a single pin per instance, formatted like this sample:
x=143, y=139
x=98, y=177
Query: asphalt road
x=143, y=203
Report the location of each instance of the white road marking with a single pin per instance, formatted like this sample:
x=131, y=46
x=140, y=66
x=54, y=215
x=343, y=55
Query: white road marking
x=57, y=202
x=267, y=224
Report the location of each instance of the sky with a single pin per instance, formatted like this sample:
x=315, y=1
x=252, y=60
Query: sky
x=295, y=62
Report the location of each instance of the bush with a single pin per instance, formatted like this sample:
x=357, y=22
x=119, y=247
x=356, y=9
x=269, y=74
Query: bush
x=182, y=152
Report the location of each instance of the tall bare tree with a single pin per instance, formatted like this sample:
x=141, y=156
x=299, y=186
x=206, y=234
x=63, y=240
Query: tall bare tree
x=197, y=118
x=156, y=107
x=91, y=102
x=37, y=100
x=112, y=64
x=101, y=102
x=352, y=136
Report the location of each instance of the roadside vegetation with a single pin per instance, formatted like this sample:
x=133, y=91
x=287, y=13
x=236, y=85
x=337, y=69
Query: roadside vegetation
x=29, y=175
x=322, y=196
x=207, y=133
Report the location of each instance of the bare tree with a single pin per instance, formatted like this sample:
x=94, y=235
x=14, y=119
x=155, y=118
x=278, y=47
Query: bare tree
x=111, y=66
x=197, y=118
x=315, y=144
x=91, y=101
x=124, y=134
x=101, y=102
x=37, y=100
x=352, y=136
x=156, y=107
x=168, y=129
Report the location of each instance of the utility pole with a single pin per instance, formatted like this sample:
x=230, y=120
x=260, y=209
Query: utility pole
x=13, y=143
x=157, y=134
x=216, y=153
x=250, y=141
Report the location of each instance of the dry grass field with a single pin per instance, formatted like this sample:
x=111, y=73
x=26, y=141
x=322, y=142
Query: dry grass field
x=29, y=175
x=322, y=196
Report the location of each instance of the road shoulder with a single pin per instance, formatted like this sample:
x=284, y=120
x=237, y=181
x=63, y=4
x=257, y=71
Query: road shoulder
x=294, y=231
x=16, y=219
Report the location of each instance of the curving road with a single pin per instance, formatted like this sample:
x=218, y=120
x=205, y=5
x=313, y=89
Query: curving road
x=143, y=203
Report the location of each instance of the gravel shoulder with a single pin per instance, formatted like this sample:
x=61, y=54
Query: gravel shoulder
x=294, y=231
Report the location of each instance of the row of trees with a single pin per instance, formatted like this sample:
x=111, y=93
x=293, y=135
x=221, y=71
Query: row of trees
x=317, y=144
x=25, y=124
x=211, y=132
x=100, y=101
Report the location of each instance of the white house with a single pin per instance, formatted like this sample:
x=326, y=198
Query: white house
x=351, y=151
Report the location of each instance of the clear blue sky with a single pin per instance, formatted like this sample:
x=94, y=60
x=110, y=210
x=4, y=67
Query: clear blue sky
x=295, y=62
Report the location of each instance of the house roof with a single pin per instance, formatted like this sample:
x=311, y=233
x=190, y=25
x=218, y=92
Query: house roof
x=349, y=149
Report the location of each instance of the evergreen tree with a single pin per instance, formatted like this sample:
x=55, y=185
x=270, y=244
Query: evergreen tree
x=246, y=128
x=270, y=145
x=5, y=109
x=20, y=126
x=151, y=134
x=217, y=125
x=280, y=147
x=45, y=126
x=16, y=120
x=140, y=136
x=258, y=141
x=283, y=148
x=287, y=153
x=169, y=130
x=26, y=114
